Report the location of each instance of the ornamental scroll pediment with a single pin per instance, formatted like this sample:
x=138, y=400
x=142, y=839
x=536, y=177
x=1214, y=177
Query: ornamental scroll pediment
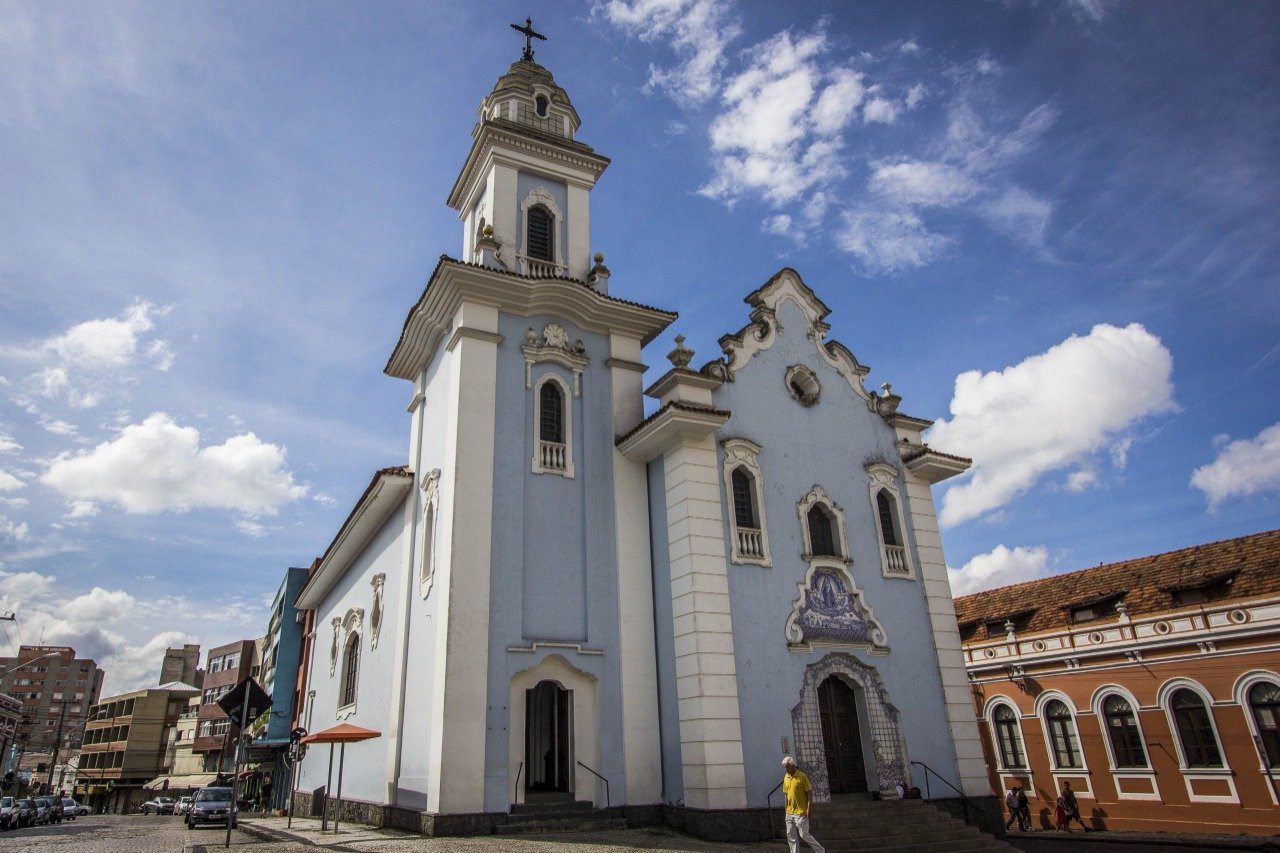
x=831, y=610
x=553, y=345
x=336, y=622
x=378, y=583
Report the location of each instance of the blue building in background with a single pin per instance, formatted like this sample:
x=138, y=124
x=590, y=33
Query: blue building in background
x=281, y=651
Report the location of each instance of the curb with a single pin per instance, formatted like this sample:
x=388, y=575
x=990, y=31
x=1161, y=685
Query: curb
x=266, y=834
x=1264, y=843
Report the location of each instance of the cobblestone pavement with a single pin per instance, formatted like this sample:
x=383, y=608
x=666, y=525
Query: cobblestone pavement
x=131, y=834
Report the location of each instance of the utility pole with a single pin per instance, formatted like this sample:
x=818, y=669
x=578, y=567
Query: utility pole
x=57, y=743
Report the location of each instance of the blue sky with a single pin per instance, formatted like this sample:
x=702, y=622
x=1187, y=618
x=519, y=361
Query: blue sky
x=1051, y=225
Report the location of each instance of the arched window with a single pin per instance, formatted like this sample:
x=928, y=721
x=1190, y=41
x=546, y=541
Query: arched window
x=1264, y=703
x=1122, y=731
x=820, y=536
x=888, y=522
x=744, y=512
x=540, y=237
x=350, y=670
x=551, y=413
x=1195, y=729
x=1062, y=734
x=1008, y=737
x=540, y=104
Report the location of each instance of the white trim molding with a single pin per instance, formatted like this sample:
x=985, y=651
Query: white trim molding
x=1163, y=697
x=1096, y=703
x=988, y=714
x=378, y=582
x=838, y=614
x=550, y=457
x=746, y=545
x=336, y=622
x=1240, y=691
x=819, y=495
x=895, y=560
x=1042, y=702
x=553, y=345
x=430, y=519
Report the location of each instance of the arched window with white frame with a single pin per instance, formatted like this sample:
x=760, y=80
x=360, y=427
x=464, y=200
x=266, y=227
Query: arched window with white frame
x=1123, y=734
x=1007, y=732
x=889, y=522
x=1193, y=726
x=744, y=489
x=822, y=527
x=350, y=672
x=1064, y=740
x=1263, y=700
x=553, y=426
x=541, y=251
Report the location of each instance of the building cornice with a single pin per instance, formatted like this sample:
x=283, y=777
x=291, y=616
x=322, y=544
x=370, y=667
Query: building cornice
x=668, y=426
x=386, y=492
x=453, y=282
x=520, y=146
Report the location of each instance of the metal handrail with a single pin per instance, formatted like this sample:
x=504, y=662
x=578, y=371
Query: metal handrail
x=516, y=799
x=964, y=800
x=607, y=801
x=768, y=802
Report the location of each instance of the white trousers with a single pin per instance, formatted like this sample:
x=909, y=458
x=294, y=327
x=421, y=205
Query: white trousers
x=797, y=831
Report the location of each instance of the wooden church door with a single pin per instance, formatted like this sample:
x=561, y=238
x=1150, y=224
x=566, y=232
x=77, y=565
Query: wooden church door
x=841, y=737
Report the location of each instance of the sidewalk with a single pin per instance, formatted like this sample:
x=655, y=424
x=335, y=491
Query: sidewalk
x=1171, y=840
x=356, y=837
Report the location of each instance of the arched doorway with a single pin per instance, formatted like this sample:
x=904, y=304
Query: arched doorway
x=548, y=738
x=841, y=736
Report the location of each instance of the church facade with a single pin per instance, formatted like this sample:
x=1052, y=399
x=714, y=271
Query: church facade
x=559, y=597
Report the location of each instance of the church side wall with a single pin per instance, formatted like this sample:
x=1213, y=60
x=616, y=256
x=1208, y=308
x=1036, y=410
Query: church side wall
x=664, y=631
x=554, y=574
x=363, y=778
x=827, y=444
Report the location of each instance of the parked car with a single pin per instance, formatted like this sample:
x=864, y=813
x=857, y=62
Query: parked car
x=71, y=809
x=160, y=805
x=52, y=809
x=210, y=805
x=42, y=816
x=8, y=813
x=27, y=810
x=184, y=805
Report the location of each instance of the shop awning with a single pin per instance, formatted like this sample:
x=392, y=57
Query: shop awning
x=342, y=733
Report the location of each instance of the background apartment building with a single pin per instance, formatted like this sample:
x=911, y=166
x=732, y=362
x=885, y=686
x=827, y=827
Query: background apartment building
x=126, y=745
x=225, y=667
x=56, y=690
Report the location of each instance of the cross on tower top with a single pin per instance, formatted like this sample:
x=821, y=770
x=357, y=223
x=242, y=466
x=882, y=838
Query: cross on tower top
x=529, y=35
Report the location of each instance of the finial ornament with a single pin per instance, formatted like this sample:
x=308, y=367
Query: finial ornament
x=681, y=355
x=529, y=35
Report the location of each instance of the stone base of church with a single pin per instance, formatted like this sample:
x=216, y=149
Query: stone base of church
x=982, y=812
x=755, y=824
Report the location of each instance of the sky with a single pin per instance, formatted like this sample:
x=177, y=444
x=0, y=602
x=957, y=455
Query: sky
x=1050, y=225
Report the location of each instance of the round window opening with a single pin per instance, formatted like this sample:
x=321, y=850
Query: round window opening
x=540, y=104
x=803, y=385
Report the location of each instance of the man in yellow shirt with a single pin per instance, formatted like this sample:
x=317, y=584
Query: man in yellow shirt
x=797, y=788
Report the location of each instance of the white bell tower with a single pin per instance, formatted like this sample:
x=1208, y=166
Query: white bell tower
x=524, y=193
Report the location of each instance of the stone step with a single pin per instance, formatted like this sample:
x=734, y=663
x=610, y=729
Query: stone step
x=952, y=846
x=588, y=823
x=552, y=807
x=921, y=836
x=860, y=824
x=927, y=830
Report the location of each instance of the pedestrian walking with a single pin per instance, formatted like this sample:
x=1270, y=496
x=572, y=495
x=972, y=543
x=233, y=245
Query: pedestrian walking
x=1024, y=811
x=1015, y=811
x=797, y=790
x=266, y=796
x=1071, y=807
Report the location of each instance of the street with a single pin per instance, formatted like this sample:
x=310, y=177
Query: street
x=128, y=834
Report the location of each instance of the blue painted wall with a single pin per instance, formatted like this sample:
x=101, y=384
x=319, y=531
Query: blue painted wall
x=287, y=650
x=827, y=444
x=554, y=568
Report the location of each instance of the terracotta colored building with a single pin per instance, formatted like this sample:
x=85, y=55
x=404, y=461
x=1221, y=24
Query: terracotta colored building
x=225, y=667
x=1151, y=685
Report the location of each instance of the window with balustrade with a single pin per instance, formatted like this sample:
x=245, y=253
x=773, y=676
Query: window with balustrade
x=749, y=541
x=822, y=527
x=552, y=424
x=889, y=521
x=541, y=253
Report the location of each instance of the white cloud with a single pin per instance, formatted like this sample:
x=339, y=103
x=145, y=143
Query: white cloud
x=1078, y=481
x=82, y=509
x=880, y=110
x=8, y=445
x=1000, y=567
x=109, y=343
x=58, y=427
x=919, y=183
x=910, y=46
x=1244, y=467
x=1095, y=10
x=1049, y=412
x=13, y=531
x=698, y=31
x=915, y=95
x=1020, y=214
x=8, y=482
x=251, y=528
x=158, y=466
x=885, y=241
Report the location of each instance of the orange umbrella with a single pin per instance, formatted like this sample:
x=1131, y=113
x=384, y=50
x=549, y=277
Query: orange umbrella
x=341, y=734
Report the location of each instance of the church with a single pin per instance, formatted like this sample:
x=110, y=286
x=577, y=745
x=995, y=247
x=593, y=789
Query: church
x=581, y=589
